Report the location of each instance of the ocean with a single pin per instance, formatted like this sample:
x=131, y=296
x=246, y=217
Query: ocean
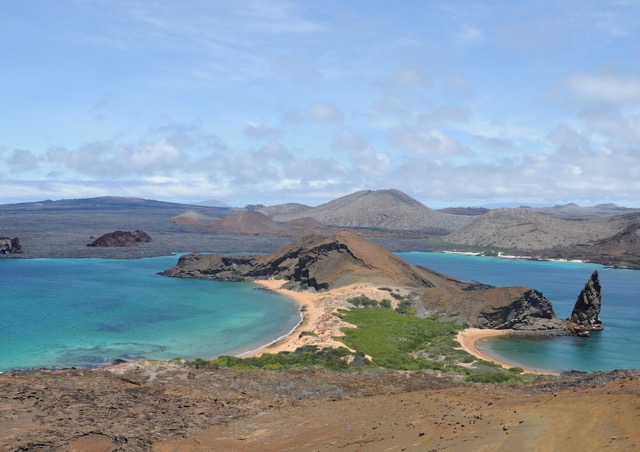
x=89, y=312
x=615, y=347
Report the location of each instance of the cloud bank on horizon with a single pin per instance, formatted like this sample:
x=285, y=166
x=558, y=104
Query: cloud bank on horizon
x=454, y=103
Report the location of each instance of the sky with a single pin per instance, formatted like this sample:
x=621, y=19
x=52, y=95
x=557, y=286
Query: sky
x=463, y=103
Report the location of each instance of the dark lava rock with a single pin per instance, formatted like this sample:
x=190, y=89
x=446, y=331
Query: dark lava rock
x=586, y=312
x=531, y=311
x=10, y=246
x=121, y=239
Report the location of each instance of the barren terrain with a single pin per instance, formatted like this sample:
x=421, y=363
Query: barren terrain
x=168, y=407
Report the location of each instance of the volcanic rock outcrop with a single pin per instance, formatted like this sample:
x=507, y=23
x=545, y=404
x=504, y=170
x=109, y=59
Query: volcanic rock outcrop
x=121, y=239
x=313, y=261
x=482, y=306
x=323, y=263
x=586, y=312
x=10, y=246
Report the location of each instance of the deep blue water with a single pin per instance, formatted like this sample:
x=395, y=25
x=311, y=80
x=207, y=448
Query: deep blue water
x=89, y=312
x=616, y=347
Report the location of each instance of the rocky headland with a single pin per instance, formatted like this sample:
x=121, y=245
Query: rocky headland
x=318, y=263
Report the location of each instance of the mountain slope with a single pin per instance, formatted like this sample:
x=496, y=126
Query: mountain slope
x=254, y=223
x=384, y=209
x=526, y=229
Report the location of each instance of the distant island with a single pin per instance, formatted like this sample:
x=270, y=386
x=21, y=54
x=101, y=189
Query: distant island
x=606, y=234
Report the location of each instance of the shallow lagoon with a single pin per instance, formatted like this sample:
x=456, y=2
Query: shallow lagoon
x=89, y=312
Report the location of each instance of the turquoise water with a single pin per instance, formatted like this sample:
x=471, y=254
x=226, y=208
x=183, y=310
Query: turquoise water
x=89, y=312
x=616, y=347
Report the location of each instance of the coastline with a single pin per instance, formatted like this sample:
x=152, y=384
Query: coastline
x=470, y=337
x=316, y=318
x=316, y=309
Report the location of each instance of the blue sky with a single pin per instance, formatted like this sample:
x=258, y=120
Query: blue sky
x=455, y=103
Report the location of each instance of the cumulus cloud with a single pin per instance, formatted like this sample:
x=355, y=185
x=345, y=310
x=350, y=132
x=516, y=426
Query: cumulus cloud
x=434, y=141
x=107, y=159
x=607, y=88
x=346, y=140
x=324, y=112
x=404, y=81
x=22, y=160
x=259, y=131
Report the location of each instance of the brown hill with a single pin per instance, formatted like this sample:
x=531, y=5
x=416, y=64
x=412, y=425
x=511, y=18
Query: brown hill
x=252, y=223
x=190, y=217
x=622, y=248
x=280, y=211
x=313, y=261
x=573, y=211
x=383, y=209
x=324, y=263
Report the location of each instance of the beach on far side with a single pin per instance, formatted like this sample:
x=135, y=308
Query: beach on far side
x=471, y=338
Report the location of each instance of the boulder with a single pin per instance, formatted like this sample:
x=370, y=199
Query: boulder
x=10, y=246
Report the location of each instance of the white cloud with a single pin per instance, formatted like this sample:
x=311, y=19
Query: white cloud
x=259, y=131
x=431, y=142
x=154, y=157
x=606, y=88
x=22, y=160
x=324, y=112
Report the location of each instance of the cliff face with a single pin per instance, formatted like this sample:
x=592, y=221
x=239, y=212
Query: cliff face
x=121, y=239
x=518, y=308
x=586, y=312
x=531, y=311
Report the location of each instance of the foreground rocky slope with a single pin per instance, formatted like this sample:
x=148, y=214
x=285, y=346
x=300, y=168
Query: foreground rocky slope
x=168, y=407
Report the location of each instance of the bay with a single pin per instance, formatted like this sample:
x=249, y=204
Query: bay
x=616, y=347
x=88, y=312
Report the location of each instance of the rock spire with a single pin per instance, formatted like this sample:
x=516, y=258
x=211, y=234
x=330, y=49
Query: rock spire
x=586, y=312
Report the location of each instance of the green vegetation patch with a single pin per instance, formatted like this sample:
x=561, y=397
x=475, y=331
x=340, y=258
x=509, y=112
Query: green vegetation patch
x=303, y=357
x=393, y=339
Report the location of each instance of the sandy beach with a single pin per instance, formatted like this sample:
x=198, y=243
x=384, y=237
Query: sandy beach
x=318, y=321
x=323, y=327
x=470, y=340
